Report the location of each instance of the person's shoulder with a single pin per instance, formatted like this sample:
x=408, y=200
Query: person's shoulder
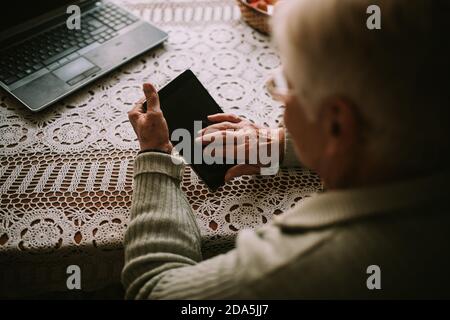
x=337, y=261
x=269, y=248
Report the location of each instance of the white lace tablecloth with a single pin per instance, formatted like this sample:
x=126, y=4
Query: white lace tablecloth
x=66, y=172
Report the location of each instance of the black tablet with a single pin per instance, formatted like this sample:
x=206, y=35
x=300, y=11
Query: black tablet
x=183, y=101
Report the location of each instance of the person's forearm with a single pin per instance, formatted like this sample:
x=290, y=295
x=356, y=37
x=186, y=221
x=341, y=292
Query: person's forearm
x=162, y=233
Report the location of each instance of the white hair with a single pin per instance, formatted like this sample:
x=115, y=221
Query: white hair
x=397, y=77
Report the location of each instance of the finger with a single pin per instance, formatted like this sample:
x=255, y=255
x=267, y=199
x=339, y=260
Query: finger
x=220, y=117
x=218, y=137
x=241, y=170
x=151, y=96
x=141, y=101
x=137, y=109
x=219, y=126
x=141, y=104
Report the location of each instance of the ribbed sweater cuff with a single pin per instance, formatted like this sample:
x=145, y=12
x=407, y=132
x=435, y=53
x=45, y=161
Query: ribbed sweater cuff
x=154, y=162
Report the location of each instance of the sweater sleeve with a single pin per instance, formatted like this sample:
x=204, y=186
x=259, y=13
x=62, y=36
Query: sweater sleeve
x=162, y=233
x=163, y=245
x=290, y=158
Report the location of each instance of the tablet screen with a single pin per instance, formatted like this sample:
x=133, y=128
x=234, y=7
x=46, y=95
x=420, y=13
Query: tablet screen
x=186, y=104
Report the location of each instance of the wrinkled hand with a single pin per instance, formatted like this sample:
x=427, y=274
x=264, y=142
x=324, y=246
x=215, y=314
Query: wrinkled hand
x=241, y=138
x=150, y=125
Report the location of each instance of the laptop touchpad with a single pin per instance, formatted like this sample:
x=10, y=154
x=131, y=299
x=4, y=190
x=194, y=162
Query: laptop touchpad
x=74, y=69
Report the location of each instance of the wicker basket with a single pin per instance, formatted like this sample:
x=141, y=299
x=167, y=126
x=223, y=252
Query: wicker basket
x=255, y=17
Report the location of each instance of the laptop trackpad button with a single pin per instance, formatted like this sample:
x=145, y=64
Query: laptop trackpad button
x=73, y=69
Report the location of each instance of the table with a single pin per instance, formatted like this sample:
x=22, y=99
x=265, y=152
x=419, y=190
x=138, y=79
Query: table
x=66, y=172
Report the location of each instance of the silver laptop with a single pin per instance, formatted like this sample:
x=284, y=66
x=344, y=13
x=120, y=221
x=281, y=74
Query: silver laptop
x=42, y=59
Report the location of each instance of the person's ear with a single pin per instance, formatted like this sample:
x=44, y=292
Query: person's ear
x=341, y=126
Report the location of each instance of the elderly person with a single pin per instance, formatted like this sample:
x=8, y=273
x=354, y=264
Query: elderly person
x=368, y=110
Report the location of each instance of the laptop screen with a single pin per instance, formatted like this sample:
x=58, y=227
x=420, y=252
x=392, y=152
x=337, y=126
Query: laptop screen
x=18, y=14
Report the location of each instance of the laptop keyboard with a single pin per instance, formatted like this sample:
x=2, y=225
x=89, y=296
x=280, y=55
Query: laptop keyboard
x=59, y=45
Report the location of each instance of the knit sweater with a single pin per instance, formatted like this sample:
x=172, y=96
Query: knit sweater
x=322, y=248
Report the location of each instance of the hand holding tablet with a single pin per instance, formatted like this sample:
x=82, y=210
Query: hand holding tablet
x=142, y=117
x=186, y=105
